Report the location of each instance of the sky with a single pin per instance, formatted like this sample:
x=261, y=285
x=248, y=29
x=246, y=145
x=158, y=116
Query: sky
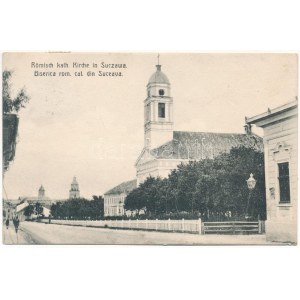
x=92, y=127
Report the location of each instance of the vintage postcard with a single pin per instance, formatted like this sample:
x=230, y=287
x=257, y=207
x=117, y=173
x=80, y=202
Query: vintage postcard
x=150, y=148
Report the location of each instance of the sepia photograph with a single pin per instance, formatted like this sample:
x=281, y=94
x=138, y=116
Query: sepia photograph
x=149, y=148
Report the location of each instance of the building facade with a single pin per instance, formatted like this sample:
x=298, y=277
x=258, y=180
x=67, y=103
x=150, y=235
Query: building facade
x=114, y=199
x=280, y=127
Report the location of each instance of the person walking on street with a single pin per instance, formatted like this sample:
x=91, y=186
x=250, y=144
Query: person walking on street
x=16, y=223
x=7, y=223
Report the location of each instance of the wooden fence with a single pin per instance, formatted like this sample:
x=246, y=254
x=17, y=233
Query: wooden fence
x=234, y=227
x=189, y=226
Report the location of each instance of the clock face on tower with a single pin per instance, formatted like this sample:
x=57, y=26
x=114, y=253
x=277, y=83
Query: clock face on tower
x=161, y=92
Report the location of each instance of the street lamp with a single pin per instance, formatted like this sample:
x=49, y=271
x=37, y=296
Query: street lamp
x=251, y=182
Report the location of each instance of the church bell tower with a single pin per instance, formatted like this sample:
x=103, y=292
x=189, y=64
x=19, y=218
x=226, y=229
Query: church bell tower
x=74, y=191
x=41, y=193
x=158, y=108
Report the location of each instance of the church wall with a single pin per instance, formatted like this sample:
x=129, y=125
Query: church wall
x=157, y=168
x=158, y=135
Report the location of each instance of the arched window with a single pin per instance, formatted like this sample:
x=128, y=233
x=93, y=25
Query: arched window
x=161, y=92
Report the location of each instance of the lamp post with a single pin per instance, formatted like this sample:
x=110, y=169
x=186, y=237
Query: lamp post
x=251, y=182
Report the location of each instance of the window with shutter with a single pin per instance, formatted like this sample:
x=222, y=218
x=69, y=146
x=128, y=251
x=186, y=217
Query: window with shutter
x=284, y=182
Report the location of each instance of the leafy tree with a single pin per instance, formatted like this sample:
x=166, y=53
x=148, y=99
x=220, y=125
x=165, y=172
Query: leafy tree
x=134, y=200
x=210, y=188
x=38, y=209
x=97, y=207
x=29, y=210
x=12, y=104
x=79, y=208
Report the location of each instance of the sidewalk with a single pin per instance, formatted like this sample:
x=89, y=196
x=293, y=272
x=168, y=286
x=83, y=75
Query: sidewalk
x=9, y=236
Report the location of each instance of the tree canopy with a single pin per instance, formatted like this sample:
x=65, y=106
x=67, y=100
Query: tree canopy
x=210, y=188
x=79, y=209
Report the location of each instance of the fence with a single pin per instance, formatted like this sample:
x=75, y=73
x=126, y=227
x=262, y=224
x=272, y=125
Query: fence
x=188, y=226
x=234, y=227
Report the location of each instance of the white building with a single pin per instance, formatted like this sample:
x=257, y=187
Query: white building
x=114, y=199
x=281, y=151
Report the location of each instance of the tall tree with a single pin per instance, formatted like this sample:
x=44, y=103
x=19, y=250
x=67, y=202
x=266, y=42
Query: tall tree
x=12, y=104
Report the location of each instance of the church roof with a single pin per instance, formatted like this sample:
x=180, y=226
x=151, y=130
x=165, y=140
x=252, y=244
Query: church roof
x=200, y=145
x=34, y=199
x=124, y=187
x=158, y=76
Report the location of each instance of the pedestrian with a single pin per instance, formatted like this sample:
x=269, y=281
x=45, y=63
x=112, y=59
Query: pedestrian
x=16, y=223
x=7, y=223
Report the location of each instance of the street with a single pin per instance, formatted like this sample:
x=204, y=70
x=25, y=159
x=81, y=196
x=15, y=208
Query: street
x=40, y=233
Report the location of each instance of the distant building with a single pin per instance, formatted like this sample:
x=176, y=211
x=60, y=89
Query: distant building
x=281, y=152
x=41, y=198
x=164, y=149
x=20, y=210
x=74, y=191
x=114, y=199
x=41, y=192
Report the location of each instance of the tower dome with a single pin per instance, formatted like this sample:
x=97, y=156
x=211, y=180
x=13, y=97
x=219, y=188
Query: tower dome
x=158, y=76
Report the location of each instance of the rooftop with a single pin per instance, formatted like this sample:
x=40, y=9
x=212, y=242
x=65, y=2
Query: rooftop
x=200, y=145
x=124, y=187
x=288, y=107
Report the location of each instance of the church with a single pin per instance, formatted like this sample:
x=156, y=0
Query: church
x=164, y=149
x=41, y=198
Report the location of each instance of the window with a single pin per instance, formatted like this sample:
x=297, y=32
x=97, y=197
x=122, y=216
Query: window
x=161, y=92
x=161, y=110
x=284, y=182
x=148, y=113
